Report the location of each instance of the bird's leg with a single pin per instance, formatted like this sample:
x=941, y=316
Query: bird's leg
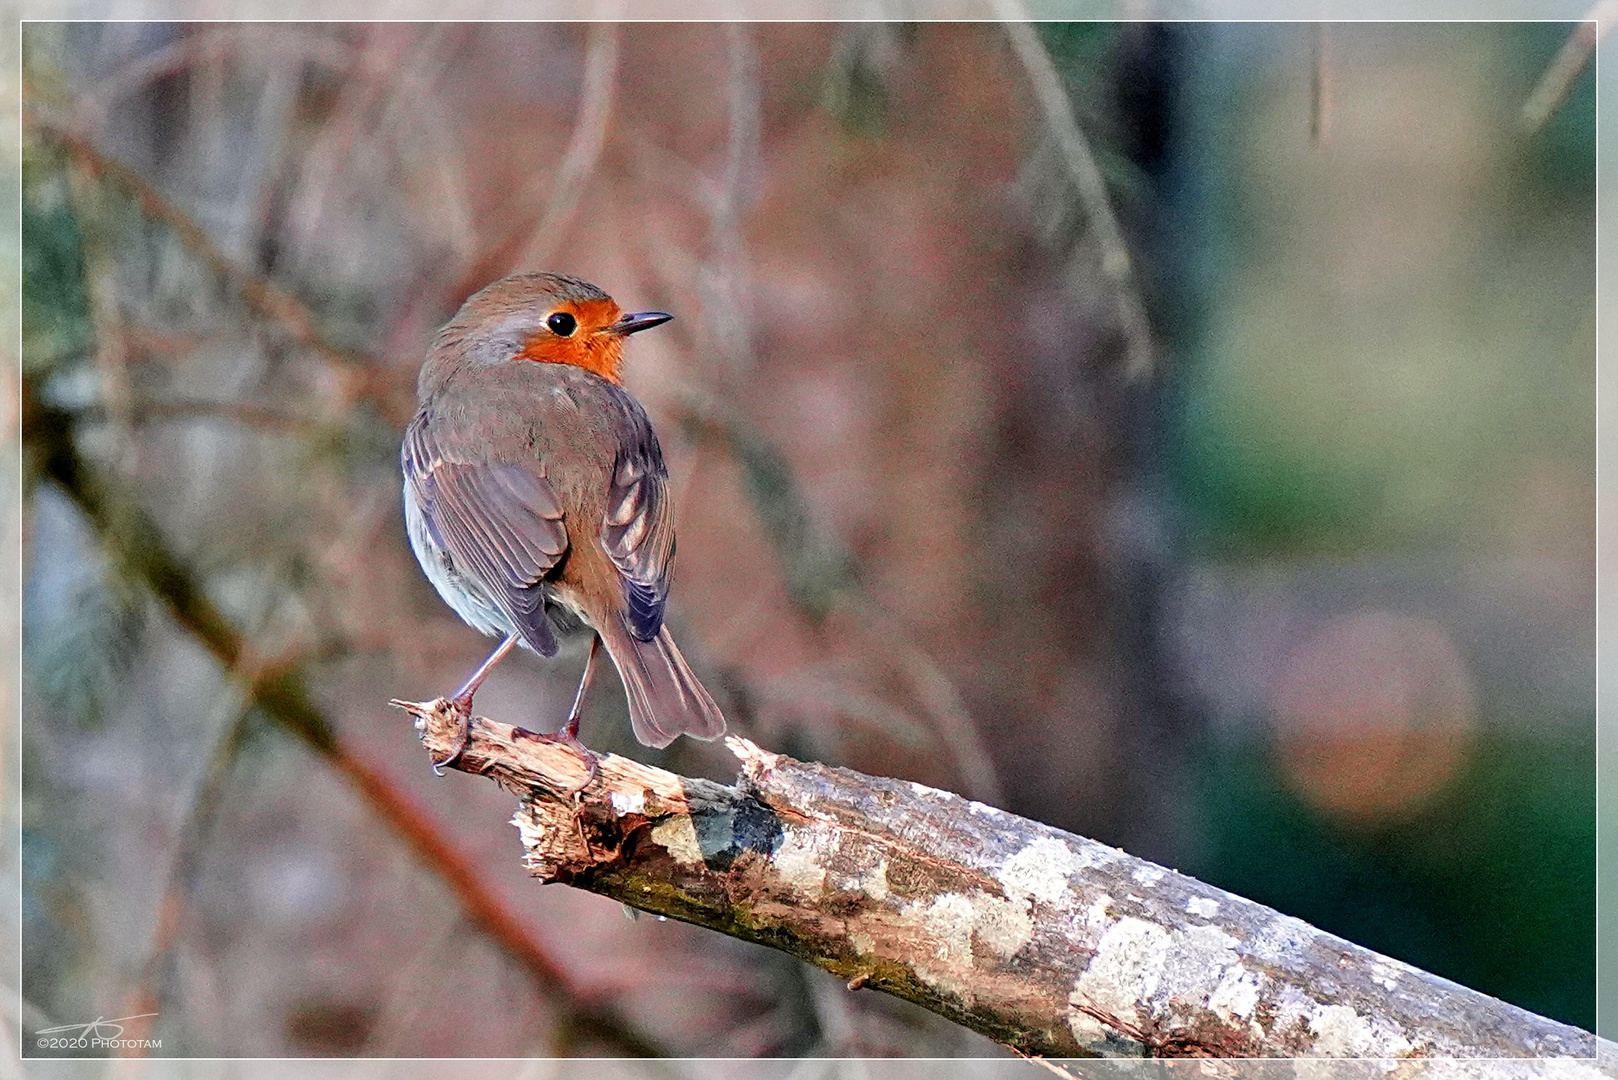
x=570, y=731
x=462, y=701
x=463, y=697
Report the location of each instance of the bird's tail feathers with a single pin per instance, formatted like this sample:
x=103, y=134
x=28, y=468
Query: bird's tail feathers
x=665, y=698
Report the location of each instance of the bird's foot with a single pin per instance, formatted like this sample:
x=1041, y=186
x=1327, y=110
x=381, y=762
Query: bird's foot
x=569, y=738
x=460, y=709
x=432, y=715
x=592, y=761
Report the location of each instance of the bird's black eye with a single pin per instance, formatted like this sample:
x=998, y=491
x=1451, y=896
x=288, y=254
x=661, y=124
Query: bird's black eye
x=562, y=324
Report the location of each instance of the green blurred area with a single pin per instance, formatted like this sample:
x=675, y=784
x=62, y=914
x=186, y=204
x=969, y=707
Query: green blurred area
x=1391, y=363
x=1390, y=324
x=1492, y=885
x=56, y=311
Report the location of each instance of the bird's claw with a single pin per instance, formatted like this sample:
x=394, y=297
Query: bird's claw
x=592, y=760
x=462, y=712
x=567, y=738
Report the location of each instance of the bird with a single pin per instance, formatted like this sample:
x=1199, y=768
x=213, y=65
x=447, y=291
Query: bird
x=534, y=485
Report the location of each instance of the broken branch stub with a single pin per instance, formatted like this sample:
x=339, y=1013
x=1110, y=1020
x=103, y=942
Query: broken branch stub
x=1047, y=941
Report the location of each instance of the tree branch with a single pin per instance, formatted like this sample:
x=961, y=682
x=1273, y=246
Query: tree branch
x=1051, y=943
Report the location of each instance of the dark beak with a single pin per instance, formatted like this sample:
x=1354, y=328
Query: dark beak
x=643, y=320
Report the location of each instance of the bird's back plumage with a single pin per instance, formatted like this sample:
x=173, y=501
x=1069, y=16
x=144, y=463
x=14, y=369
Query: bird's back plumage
x=532, y=484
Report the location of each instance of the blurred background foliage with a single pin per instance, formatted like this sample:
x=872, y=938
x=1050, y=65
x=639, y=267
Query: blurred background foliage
x=1307, y=610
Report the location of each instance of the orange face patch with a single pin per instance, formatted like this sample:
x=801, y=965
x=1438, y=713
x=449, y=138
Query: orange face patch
x=587, y=347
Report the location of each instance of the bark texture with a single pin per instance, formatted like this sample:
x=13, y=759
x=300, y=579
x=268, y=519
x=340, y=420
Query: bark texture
x=1047, y=941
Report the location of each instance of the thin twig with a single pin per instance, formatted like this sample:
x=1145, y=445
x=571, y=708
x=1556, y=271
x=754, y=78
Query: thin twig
x=723, y=276
x=742, y=94
x=443, y=147
x=821, y=578
x=406, y=100
x=812, y=688
x=598, y=91
x=187, y=858
x=819, y=571
x=273, y=114
x=1116, y=265
x=236, y=412
x=952, y=721
x=543, y=229
x=1319, y=88
x=381, y=59
x=1570, y=62
x=111, y=352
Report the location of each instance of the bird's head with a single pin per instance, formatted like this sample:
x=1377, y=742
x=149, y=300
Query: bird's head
x=547, y=319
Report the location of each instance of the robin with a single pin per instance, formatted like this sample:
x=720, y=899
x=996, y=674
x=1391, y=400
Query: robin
x=533, y=481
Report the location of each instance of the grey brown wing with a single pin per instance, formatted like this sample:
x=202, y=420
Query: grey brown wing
x=638, y=529
x=501, y=524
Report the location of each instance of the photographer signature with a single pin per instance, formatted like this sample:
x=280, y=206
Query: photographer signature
x=99, y=1028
